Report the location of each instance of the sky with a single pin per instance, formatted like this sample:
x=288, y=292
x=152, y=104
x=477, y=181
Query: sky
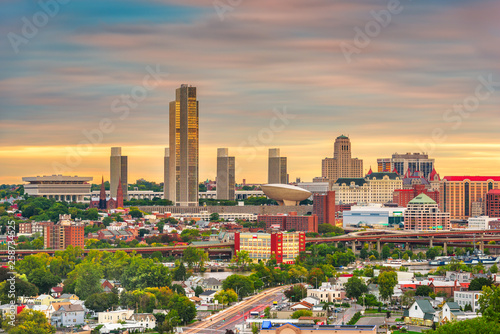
x=79, y=77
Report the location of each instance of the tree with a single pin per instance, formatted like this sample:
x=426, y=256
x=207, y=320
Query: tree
x=387, y=280
x=88, y=280
x=489, y=303
x=267, y=312
x=243, y=285
x=135, y=213
x=386, y=252
x=296, y=292
x=23, y=288
x=432, y=253
x=192, y=256
x=107, y=221
x=29, y=322
x=301, y=313
x=355, y=287
x=423, y=290
x=494, y=269
x=473, y=326
x=363, y=253
x=198, y=290
x=226, y=297
x=180, y=273
x=477, y=283
x=316, y=277
x=160, y=225
x=43, y=279
x=325, y=228
x=297, y=272
x=408, y=298
x=214, y=217
x=369, y=300
x=100, y=302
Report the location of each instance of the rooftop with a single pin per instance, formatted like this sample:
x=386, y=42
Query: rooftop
x=422, y=199
x=471, y=178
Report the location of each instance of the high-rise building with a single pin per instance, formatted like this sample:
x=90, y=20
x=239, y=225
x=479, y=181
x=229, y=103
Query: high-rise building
x=225, y=175
x=402, y=197
x=407, y=163
x=423, y=214
x=342, y=164
x=493, y=203
x=465, y=196
x=118, y=171
x=324, y=207
x=277, y=172
x=184, y=145
x=166, y=191
x=63, y=234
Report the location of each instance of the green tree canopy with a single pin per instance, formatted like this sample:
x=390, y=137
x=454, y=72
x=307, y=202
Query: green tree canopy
x=355, y=287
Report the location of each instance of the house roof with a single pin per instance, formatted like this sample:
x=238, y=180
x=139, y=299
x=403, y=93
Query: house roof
x=358, y=181
x=425, y=306
x=208, y=293
x=422, y=199
x=57, y=289
x=453, y=306
x=381, y=175
x=142, y=316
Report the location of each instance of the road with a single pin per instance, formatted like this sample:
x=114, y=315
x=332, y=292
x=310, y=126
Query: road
x=348, y=314
x=235, y=315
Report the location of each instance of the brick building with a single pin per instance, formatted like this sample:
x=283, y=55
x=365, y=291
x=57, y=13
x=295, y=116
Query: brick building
x=63, y=234
x=291, y=222
x=403, y=196
x=324, y=207
x=261, y=246
x=493, y=203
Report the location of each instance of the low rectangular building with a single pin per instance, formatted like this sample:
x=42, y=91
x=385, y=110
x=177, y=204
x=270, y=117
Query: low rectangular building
x=268, y=328
x=291, y=222
x=463, y=298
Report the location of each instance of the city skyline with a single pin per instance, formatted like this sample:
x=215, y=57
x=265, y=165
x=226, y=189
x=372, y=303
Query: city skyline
x=260, y=61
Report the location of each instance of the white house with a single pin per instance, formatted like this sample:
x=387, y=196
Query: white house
x=113, y=317
x=68, y=315
x=420, y=313
x=463, y=298
x=451, y=312
x=208, y=296
x=145, y=320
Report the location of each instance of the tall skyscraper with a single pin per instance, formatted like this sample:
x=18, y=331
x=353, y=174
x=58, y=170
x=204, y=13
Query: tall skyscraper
x=166, y=192
x=342, y=164
x=225, y=175
x=118, y=172
x=276, y=167
x=402, y=163
x=184, y=138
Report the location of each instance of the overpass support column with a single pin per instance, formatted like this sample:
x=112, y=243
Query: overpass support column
x=379, y=249
x=336, y=244
x=370, y=246
x=354, y=246
x=481, y=243
x=445, y=248
x=431, y=242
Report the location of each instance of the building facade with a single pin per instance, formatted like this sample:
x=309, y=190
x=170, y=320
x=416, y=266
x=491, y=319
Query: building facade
x=291, y=222
x=412, y=162
x=63, y=234
x=423, y=214
x=118, y=172
x=402, y=197
x=463, y=298
x=184, y=146
x=277, y=167
x=342, y=164
x=465, y=196
x=261, y=246
x=59, y=187
x=493, y=203
x=225, y=175
x=324, y=207
x=382, y=186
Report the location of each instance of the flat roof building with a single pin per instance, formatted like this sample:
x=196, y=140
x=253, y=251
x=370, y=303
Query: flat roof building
x=225, y=175
x=59, y=187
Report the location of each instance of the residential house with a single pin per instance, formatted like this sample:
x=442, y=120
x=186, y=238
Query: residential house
x=145, y=320
x=44, y=300
x=447, y=288
x=196, y=300
x=208, y=296
x=68, y=315
x=460, y=277
x=56, y=291
x=312, y=300
x=301, y=306
x=463, y=298
x=451, y=312
x=420, y=313
x=68, y=297
x=113, y=317
x=212, y=284
x=326, y=295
